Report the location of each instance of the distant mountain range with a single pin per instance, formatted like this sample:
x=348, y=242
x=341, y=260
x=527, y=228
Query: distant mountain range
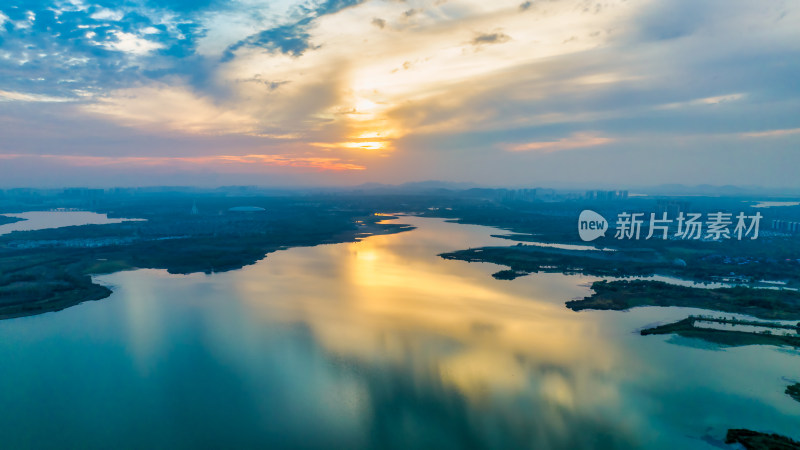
x=434, y=187
x=664, y=189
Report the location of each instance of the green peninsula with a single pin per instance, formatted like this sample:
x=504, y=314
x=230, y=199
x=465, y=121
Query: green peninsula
x=618, y=295
x=49, y=270
x=4, y=220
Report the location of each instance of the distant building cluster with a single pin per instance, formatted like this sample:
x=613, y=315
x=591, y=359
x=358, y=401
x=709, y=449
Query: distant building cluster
x=671, y=207
x=786, y=226
x=520, y=195
x=82, y=193
x=246, y=209
x=606, y=195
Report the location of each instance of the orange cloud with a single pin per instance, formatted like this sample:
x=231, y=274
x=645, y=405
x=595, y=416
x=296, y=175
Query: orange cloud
x=174, y=108
x=319, y=163
x=772, y=133
x=358, y=145
x=577, y=140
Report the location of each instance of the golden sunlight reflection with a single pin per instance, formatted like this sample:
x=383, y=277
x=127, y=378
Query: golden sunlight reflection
x=405, y=305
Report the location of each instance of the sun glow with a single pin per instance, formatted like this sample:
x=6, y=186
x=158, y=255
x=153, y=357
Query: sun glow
x=372, y=145
x=367, y=145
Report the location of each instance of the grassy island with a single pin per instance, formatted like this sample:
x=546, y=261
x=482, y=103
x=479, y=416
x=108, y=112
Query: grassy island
x=625, y=294
x=794, y=391
x=754, y=440
x=525, y=259
x=688, y=328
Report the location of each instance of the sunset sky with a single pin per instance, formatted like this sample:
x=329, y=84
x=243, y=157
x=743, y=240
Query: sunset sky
x=341, y=92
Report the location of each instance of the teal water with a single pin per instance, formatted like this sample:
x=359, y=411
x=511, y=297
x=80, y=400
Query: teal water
x=376, y=344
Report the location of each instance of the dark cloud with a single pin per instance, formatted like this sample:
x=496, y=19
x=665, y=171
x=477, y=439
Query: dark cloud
x=525, y=6
x=292, y=39
x=317, y=9
x=674, y=19
x=289, y=39
x=491, y=38
x=378, y=22
x=274, y=85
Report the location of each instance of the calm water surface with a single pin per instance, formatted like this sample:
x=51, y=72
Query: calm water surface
x=766, y=204
x=376, y=344
x=41, y=220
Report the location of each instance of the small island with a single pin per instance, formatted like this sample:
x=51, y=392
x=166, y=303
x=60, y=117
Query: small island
x=794, y=391
x=689, y=328
x=754, y=440
x=620, y=295
x=523, y=259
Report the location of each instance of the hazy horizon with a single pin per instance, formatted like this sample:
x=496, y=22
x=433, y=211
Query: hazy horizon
x=431, y=186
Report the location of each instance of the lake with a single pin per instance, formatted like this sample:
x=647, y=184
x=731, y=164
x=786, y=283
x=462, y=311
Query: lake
x=41, y=220
x=375, y=344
